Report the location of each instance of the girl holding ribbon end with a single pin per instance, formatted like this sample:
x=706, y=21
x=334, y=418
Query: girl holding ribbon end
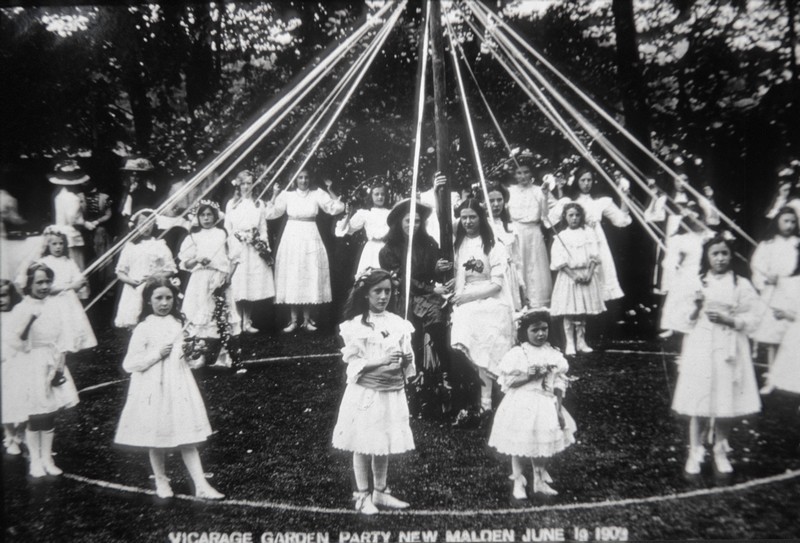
x=373, y=419
x=716, y=381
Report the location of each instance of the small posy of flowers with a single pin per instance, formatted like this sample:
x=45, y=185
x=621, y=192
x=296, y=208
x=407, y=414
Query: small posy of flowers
x=193, y=349
x=474, y=264
x=253, y=238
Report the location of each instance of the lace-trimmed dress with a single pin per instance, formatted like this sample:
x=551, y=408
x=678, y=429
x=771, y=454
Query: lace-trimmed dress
x=139, y=261
x=715, y=372
x=40, y=355
x=373, y=221
x=252, y=280
x=576, y=248
x=596, y=209
x=373, y=416
x=526, y=423
x=302, y=270
x=164, y=408
x=483, y=329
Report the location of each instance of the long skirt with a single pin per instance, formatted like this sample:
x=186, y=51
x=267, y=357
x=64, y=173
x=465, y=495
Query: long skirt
x=535, y=263
x=302, y=271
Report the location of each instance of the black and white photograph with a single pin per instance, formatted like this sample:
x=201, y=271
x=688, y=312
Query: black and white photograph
x=383, y=271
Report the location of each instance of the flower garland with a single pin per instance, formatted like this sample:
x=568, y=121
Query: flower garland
x=220, y=317
x=253, y=238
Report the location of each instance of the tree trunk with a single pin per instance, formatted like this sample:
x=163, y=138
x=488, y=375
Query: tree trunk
x=629, y=71
x=794, y=108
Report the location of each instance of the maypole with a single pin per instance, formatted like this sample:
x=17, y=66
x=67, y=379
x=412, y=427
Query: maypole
x=444, y=207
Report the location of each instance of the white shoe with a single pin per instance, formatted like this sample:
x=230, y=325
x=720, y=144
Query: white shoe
x=721, y=461
x=766, y=389
x=163, y=490
x=208, y=492
x=541, y=487
x=364, y=503
x=47, y=453
x=290, y=328
x=694, y=460
x=250, y=329
x=12, y=448
x=520, y=483
x=385, y=499
x=666, y=334
x=569, y=350
x=309, y=326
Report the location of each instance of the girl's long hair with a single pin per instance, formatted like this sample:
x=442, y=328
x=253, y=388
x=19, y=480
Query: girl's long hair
x=484, y=228
x=50, y=231
x=573, y=205
x=574, y=190
x=505, y=217
x=357, y=303
x=157, y=281
x=772, y=229
x=704, y=264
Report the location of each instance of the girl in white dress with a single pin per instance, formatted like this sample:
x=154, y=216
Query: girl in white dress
x=716, y=381
x=483, y=328
x=302, y=270
x=13, y=374
x=212, y=258
x=578, y=291
x=141, y=258
x=506, y=233
x=530, y=422
x=785, y=372
x=595, y=210
x=67, y=283
x=527, y=206
x=47, y=387
x=373, y=222
x=681, y=266
x=245, y=220
x=773, y=261
x=163, y=409
x=373, y=416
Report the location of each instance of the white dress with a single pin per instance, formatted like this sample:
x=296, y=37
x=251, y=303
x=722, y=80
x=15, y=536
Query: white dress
x=576, y=248
x=785, y=371
x=198, y=300
x=777, y=256
x=78, y=333
x=164, y=408
x=373, y=221
x=526, y=206
x=13, y=373
x=302, y=270
x=681, y=266
x=252, y=280
x=716, y=376
x=595, y=210
x=374, y=419
x=139, y=261
x=526, y=423
x=482, y=329
x=41, y=354
x=514, y=274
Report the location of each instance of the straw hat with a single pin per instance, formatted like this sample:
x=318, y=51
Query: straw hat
x=68, y=172
x=403, y=208
x=137, y=164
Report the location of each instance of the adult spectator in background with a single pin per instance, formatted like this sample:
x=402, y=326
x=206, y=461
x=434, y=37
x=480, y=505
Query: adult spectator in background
x=139, y=190
x=97, y=236
x=69, y=205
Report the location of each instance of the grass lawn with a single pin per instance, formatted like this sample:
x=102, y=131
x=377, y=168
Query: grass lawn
x=272, y=446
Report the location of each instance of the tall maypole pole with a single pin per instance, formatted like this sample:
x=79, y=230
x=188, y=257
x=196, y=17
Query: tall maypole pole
x=444, y=207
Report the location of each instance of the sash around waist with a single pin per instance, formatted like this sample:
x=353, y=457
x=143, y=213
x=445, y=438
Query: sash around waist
x=381, y=381
x=303, y=219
